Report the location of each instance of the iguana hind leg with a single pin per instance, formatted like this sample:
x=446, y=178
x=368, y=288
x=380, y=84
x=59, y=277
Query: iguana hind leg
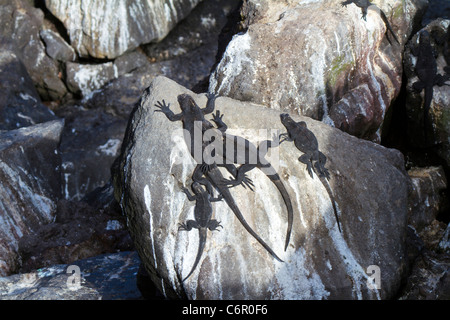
x=306, y=159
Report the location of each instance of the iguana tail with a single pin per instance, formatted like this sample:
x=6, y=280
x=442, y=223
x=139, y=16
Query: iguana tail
x=201, y=246
x=388, y=25
x=333, y=201
x=215, y=175
x=287, y=200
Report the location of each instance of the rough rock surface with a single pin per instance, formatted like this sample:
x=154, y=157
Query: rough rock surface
x=369, y=183
x=56, y=47
x=30, y=173
x=107, y=30
x=430, y=279
x=90, y=142
x=21, y=25
x=427, y=201
x=318, y=59
x=20, y=104
x=95, y=125
x=438, y=130
x=79, y=231
x=105, y=277
x=85, y=79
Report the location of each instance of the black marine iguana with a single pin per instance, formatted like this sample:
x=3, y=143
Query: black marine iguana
x=254, y=157
x=202, y=214
x=364, y=5
x=426, y=70
x=191, y=114
x=307, y=143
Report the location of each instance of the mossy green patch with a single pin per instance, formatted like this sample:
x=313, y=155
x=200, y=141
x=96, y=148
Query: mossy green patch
x=338, y=66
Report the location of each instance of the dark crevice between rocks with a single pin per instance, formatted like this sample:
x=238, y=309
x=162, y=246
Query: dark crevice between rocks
x=395, y=136
x=231, y=28
x=40, y=4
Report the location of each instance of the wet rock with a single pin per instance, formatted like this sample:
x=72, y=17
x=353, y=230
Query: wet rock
x=370, y=186
x=83, y=79
x=30, y=173
x=430, y=279
x=444, y=244
x=318, y=59
x=21, y=25
x=20, y=104
x=104, y=277
x=86, y=79
x=79, y=231
x=186, y=55
x=436, y=130
x=427, y=199
x=90, y=142
x=56, y=47
x=104, y=30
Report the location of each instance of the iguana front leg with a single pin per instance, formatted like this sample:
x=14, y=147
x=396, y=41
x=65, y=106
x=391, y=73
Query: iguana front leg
x=210, y=105
x=284, y=137
x=166, y=110
x=217, y=118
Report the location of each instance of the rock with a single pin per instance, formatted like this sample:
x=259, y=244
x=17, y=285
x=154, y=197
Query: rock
x=105, y=30
x=78, y=231
x=30, y=173
x=186, y=55
x=86, y=79
x=414, y=100
x=90, y=142
x=20, y=104
x=436, y=9
x=56, y=47
x=21, y=24
x=429, y=279
x=370, y=186
x=438, y=129
x=200, y=29
x=105, y=277
x=444, y=244
x=318, y=59
x=426, y=197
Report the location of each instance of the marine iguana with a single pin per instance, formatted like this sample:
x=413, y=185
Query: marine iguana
x=305, y=140
x=364, y=5
x=254, y=157
x=202, y=214
x=426, y=70
x=190, y=115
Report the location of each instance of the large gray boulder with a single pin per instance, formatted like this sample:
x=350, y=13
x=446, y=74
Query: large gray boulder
x=108, y=29
x=20, y=104
x=319, y=59
x=369, y=182
x=20, y=33
x=30, y=173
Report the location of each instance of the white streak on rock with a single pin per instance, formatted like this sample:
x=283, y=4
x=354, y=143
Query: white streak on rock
x=148, y=204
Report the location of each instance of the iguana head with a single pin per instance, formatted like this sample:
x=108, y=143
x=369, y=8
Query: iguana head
x=197, y=188
x=286, y=120
x=187, y=103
